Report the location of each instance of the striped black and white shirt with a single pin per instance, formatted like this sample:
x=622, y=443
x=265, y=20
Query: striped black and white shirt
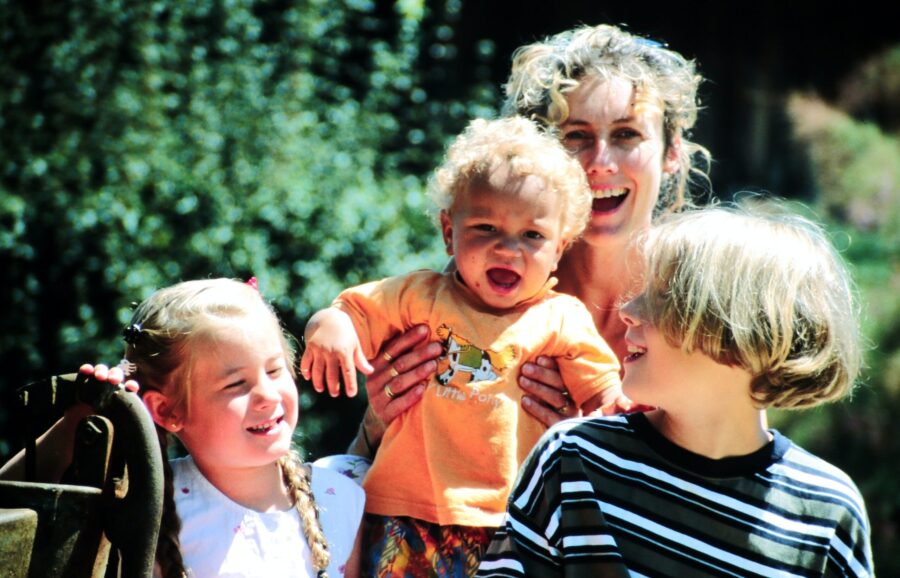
x=613, y=497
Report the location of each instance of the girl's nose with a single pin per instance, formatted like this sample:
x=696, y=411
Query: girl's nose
x=265, y=391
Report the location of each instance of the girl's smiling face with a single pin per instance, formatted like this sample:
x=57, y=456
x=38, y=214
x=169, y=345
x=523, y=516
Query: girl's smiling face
x=617, y=135
x=242, y=407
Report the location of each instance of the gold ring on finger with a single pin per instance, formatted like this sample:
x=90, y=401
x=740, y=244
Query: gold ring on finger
x=387, y=357
x=394, y=372
x=388, y=392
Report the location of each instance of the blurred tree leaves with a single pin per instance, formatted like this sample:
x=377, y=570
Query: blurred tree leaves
x=150, y=142
x=854, y=154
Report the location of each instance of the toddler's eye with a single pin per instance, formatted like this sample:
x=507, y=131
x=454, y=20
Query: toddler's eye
x=534, y=235
x=484, y=227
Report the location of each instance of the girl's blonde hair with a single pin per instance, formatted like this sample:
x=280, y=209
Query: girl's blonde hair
x=163, y=333
x=758, y=287
x=543, y=72
x=524, y=149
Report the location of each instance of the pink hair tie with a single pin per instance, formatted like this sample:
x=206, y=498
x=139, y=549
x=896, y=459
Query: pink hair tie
x=253, y=283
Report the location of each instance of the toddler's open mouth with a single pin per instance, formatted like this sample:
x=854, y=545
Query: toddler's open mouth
x=503, y=280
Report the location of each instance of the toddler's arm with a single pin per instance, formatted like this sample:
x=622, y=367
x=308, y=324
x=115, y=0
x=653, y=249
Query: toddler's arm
x=333, y=352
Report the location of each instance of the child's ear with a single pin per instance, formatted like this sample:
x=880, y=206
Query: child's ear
x=447, y=231
x=671, y=159
x=560, y=249
x=162, y=411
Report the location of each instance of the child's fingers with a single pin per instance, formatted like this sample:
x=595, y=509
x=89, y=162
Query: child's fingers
x=361, y=362
x=348, y=372
x=86, y=369
x=101, y=372
x=333, y=377
x=317, y=373
x=305, y=363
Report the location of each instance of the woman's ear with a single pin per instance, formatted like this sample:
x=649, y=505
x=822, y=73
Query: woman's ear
x=447, y=231
x=672, y=157
x=162, y=411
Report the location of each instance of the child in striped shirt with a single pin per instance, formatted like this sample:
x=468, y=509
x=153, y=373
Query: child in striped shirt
x=740, y=310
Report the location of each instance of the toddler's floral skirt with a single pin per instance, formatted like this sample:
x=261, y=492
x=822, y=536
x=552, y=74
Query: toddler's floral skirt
x=402, y=547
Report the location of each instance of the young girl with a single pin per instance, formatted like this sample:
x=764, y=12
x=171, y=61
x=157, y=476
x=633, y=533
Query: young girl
x=216, y=370
x=740, y=311
x=511, y=200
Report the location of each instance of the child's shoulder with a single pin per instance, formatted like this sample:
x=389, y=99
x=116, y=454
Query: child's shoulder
x=804, y=467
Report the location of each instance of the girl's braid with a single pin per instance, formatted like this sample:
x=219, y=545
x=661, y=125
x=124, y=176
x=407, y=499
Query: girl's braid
x=297, y=477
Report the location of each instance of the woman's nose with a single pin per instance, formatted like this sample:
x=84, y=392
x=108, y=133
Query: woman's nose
x=602, y=159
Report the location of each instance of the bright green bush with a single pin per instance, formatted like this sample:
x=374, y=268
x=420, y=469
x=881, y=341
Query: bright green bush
x=149, y=142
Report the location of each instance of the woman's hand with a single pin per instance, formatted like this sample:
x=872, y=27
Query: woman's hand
x=397, y=382
x=546, y=398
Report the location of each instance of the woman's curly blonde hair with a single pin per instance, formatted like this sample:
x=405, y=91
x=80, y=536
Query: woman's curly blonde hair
x=544, y=72
x=525, y=150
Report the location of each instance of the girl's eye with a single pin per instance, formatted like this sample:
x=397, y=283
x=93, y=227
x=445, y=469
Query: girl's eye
x=234, y=384
x=275, y=372
x=534, y=235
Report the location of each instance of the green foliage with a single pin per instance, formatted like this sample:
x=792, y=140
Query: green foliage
x=856, y=167
x=150, y=142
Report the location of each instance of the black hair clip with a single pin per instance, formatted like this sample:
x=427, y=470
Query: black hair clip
x=132, y=333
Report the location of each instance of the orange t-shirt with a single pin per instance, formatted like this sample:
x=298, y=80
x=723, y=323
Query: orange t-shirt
x=454, y=456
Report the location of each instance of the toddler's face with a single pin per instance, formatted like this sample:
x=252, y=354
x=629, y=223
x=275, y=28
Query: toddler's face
x=506, y=235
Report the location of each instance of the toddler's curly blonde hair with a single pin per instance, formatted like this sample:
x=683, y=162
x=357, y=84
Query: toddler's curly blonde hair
x=525, y=150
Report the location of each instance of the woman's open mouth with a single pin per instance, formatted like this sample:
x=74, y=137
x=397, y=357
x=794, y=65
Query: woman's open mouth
x=608, y=200
x=503, y=281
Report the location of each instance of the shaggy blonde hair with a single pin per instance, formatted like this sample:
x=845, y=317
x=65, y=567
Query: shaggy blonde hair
x=525, y=150
x=544, y=72
x=164, y=331
x=758, y=287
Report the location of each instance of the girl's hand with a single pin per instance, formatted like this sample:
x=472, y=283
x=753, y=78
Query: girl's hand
x=546, y=398
x=333, y=353
x=397, y=382
x=112, y=375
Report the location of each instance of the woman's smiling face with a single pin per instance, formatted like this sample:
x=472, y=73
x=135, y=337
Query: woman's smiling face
x=616, y=133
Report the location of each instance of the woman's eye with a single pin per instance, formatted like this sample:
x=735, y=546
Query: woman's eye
x=626, y=134
x=576, y=139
